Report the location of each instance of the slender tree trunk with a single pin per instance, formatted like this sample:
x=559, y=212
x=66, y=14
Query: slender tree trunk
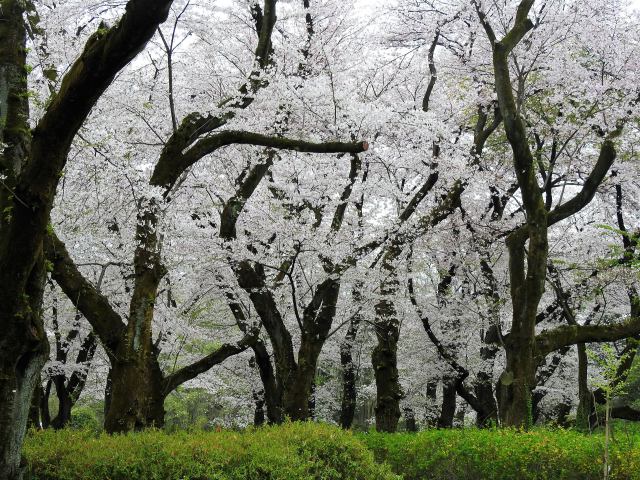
x=607, y=434
x=35, y=411
x=585, y=397
x=349, y=394
x=45, y=414
x=258, y=414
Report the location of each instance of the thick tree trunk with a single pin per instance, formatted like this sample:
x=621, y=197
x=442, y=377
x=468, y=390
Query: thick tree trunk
x=137, y=396
x=448, y=410
x=385, y=366
x=484, y=393
x=515, y=385
x=17, y=383
x=389, y=393
x=298, y=393
x=23, y=351
x=384, y=357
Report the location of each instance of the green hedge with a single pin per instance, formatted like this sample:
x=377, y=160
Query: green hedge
x=504, y=455
x=317, y=451
x=289, y=452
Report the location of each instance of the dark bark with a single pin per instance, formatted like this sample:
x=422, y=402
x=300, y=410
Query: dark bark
x=35, y=411
x=294, y=379
x=258, y=414
x=585, y=413
x=527, y=266
x=448, y=410
x=387, y=326
x=136, y=386
x=385, y=362
x=348, y=403
x=431, y=408
x=23, y=343
x=410, y=419
x=137, y=397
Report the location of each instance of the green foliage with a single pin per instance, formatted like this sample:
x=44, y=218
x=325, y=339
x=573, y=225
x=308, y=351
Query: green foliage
x=85, y=418
x=473, y=454
x=318, y=451
x=188, y=408
x=288, y=452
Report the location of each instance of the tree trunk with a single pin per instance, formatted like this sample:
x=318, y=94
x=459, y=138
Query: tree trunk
x=431, y=414
x=585, y=397
x=484, y=393
x=17, y=383
x=349, y=394
x=23, y=341
x=298, y=393
x=65, y=403
x=448, y=410
x=35, y=411
x=410, y=419
x=514, y=386
x=23, y=351
x=136, y=396
x=385, y=366
x=272, y=395
x=384, y=358
x=258, y=413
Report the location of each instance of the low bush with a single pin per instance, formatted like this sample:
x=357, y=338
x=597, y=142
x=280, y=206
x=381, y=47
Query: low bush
x=297, y=451
x=288, y=452
x=472, y=454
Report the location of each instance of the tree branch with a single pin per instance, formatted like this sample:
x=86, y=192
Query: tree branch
x=189, y=372
x=550, y=340
x=169, y=168
x=107, y=324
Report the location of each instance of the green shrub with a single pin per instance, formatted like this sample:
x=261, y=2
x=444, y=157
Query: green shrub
x=85, y=418
x=503, y=455
x=288, y=452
